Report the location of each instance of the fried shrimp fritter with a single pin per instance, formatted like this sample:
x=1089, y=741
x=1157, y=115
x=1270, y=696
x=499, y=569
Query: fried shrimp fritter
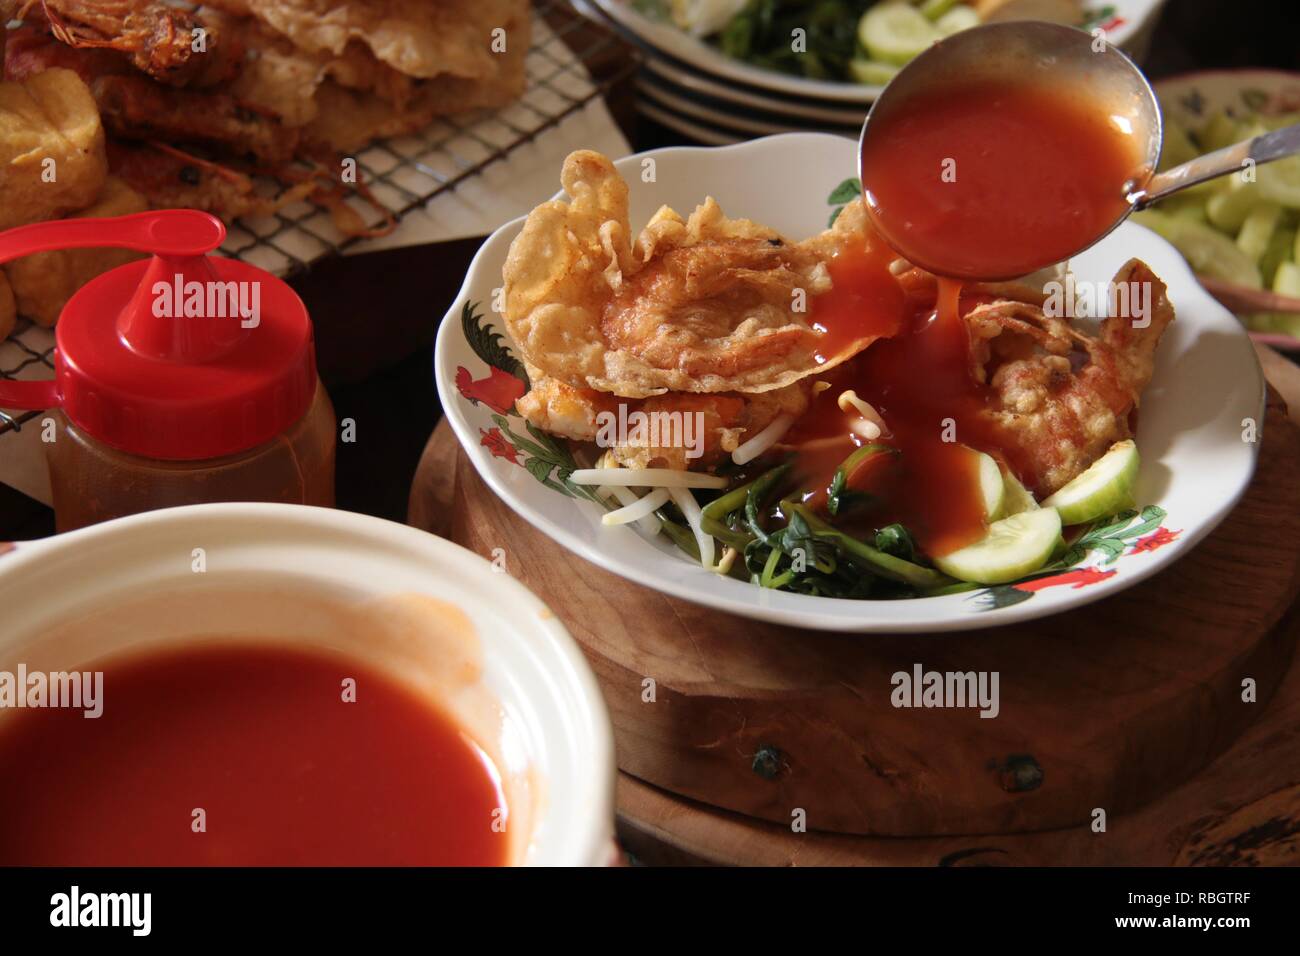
x=704, y=304
x=727, y=419
x=561, y=409
x=1058, y=414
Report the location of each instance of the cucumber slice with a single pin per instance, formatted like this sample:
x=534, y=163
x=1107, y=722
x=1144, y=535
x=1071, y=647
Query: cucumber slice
x=895, y=32
x=1193, y=208
x=1279, y=251
x=871, y=73
x=1287, y=279
x=1014, y=547
x=992, y=488
x=1177, y=148
x=1103, y=489
x=1208, y=251
x=1229, y=207
x=956, y=20
x=1280, y=181
x=1257, y=231
x=1282, y=323
x=1222, y=130
x=934, y=9
x=1016, y=497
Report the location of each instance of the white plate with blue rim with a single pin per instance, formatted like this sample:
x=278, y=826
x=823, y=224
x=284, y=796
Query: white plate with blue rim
x=1197, y=432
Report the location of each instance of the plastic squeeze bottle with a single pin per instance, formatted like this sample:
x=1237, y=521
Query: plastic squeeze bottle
x=179, y=379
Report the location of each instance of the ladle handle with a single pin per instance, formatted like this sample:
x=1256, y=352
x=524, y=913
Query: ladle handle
x=1231, y=159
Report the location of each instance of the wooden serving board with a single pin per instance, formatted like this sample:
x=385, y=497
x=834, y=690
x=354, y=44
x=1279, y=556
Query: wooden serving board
x=1104, y=708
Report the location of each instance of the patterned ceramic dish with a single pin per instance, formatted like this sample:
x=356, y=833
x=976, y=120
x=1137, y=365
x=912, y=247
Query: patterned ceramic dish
x=1193, y=431
x=1126, y=23
x=1190, y=99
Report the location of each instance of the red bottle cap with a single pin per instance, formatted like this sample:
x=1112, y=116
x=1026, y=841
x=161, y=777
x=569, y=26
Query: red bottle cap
x=181, y=356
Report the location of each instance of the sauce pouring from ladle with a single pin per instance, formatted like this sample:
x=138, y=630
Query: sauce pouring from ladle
x=1010, y=147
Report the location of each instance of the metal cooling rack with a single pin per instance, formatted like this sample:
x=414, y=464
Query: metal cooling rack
x=572, y=61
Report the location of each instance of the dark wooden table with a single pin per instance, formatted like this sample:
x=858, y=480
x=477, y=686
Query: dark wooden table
x=376, y=314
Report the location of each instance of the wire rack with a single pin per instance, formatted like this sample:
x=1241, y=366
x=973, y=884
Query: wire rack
x=572, y=61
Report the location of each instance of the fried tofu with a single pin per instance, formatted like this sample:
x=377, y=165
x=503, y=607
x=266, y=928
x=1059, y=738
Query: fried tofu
x=52, y=157
x=43, y=283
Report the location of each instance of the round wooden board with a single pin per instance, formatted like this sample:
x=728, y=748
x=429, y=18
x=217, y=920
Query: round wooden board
x=1104, y=708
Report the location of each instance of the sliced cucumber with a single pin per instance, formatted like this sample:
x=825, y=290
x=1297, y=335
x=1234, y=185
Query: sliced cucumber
x=934, y=9
x=956, y=20
x=1280, y=181
x=1177, y=148
x=1222, y=130
x=870, y=72
x=1257, y=231
x=1105, y=488
x=1013, y=547
x=1192, y=207
x=1016, y=497
x=1286, y=281
x=1279, y=251
x=895, y=32
x=1208, y=251
x=992, y=488
x=1229, y=206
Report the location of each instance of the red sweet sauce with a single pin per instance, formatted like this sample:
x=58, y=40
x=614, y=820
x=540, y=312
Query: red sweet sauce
x=1034, y=175
x=259, y=738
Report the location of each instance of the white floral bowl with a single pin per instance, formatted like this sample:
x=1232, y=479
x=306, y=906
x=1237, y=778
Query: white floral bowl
x=1192, y=432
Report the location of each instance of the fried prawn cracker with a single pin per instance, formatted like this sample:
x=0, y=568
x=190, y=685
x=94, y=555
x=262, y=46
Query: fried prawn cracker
x=704, y=304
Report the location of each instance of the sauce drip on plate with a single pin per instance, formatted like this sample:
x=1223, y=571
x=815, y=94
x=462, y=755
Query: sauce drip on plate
x=920, y=381
x=993, y=182
x=999, y=179
x=259, y=738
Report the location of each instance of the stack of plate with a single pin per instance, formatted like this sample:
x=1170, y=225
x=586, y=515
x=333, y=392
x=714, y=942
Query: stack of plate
x=689, y=86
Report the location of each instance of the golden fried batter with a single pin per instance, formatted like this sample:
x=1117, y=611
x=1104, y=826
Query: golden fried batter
x=705, y=304
x=728, y=418
x=415, y=37
x=1059, y=415
x=50, y=116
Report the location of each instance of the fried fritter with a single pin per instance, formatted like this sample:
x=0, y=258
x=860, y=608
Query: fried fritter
x=1062, y=397
x=415, y=37
x=705, y=304
x=729, y=418
x=51, y=116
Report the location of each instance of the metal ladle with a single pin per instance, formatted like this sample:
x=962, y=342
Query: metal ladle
x=1038, y=52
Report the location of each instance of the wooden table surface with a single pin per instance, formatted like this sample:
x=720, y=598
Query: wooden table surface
x=1242, y=808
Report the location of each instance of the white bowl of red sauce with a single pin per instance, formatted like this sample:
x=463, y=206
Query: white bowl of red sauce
x=250, y=684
